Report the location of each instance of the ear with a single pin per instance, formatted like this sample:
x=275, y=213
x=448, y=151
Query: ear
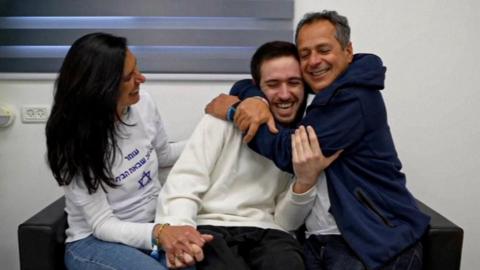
x=254, y=82
x=349, y=52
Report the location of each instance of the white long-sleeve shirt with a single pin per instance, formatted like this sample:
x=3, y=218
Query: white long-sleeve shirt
x=219, y=181
x=320, y=220
x=125, y=214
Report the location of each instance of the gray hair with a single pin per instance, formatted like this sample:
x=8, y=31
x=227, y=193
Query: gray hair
x=342, y=29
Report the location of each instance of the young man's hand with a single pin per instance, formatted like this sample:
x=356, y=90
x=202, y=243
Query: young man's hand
x=307, y=159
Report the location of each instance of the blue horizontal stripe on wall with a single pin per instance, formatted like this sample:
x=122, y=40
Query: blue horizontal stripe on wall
x=139, y=8
x=151, y=59
x=213, y=40
x=151, y=22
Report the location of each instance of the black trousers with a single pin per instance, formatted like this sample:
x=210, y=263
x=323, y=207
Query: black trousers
x=242, y=248
x=331, y=252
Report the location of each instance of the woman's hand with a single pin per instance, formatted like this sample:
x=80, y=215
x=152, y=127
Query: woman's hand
x=182, y=244
x=308, y=159
x=186, y=257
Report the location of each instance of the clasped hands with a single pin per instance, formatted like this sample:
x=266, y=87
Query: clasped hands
x=182, y=244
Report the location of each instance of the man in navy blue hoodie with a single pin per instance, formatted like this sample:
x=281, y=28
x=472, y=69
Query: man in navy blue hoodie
x=376, y=223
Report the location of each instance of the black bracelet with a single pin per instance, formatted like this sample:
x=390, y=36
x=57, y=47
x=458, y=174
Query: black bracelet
x=231, y=111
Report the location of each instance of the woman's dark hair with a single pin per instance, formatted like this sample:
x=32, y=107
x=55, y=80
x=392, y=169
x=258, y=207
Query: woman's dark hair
x=81, y=128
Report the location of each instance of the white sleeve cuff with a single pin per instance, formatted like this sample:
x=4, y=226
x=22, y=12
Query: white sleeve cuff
x=301, y=198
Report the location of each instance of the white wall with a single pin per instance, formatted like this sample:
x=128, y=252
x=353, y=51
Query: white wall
x=430, y=50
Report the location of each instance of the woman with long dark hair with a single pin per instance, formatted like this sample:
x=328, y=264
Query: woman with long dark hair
x=105, y=143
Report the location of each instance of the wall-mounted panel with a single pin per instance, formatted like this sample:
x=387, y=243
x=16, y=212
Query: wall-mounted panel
x=208, y=36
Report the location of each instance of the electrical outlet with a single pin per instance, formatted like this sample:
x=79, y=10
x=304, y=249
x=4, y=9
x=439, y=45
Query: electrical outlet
x=35, y=113
x=6, y=116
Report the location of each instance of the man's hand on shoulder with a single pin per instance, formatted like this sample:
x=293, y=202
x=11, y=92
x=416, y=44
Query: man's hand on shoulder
x=250, y=114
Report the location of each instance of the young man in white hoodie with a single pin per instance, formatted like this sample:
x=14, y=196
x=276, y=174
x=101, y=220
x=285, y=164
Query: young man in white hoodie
x=225, y=189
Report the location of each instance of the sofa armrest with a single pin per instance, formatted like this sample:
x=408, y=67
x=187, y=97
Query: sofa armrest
x=442, y=244
x=41, y=239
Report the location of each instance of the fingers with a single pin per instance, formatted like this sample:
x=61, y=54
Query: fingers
x=333, y=157
x=252, y=113
x=252, y=130
x=183, y=245
x=247, y=126
x=184, y=259
x=195, y=256
x=307, y=158
x=294, y=149
x=241, y=121
x=271, y=125
x=198, y=253
x=170, y=259
x=181, y=258
x=188, y=259
x=207, y=237
x=178, y=263
x=176, y=254
x=194, y=237
x=317, y=150
x=177, y=242
x=301, y=151
x=302, y=144
x=314, y=144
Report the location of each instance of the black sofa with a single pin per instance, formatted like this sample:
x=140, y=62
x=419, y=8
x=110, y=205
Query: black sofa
x=41, y=240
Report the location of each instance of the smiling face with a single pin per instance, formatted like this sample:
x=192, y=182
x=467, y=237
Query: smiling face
x=281, y=82
x=322, y=58
x=130, y=86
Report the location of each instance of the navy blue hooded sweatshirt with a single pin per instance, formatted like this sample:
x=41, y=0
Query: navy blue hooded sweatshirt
x=376, y=214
